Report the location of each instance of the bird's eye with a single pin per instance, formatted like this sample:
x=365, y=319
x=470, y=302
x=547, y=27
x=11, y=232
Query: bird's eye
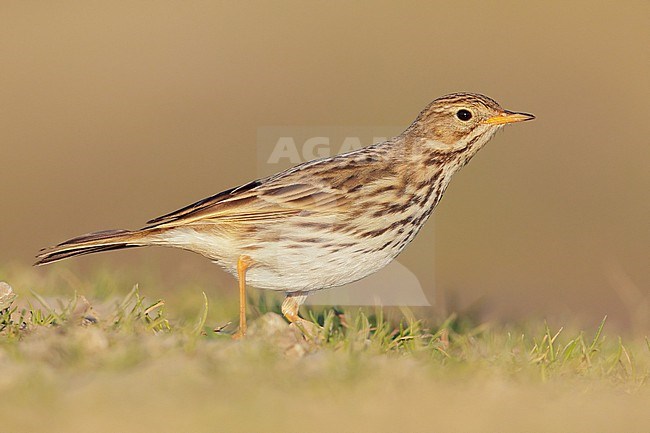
x=464, y=115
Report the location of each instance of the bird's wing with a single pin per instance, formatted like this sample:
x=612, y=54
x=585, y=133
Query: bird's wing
x=257, y=201
x=321, y=186
x=203, y=204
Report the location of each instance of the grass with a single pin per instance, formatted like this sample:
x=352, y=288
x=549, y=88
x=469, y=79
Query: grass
x=126, y=363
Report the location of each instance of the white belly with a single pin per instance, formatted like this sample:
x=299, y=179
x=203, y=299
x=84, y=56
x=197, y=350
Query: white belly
x=285, y=264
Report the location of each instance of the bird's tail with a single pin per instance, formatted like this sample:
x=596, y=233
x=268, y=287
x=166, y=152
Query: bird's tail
x=93, y=243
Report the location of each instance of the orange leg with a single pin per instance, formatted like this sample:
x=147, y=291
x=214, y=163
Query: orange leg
x=290, y=307
x=243, y=264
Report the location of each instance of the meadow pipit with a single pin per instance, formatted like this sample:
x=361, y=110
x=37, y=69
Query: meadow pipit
x=327, y=222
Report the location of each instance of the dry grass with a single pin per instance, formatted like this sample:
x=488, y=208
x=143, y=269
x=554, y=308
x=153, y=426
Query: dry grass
x=127, y=364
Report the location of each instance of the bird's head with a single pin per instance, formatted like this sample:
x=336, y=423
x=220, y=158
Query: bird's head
x=461, y=121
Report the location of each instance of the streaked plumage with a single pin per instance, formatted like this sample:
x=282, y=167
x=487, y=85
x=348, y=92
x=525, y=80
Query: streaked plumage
x=326, y=222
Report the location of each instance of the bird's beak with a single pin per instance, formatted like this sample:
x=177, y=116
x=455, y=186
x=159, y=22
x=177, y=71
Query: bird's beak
x=508, y=117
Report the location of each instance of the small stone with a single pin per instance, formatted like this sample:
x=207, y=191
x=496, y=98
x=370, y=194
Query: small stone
x=272, y=328
x=7, y=296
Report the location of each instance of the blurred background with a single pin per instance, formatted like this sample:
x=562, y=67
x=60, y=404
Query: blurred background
x=112, y=113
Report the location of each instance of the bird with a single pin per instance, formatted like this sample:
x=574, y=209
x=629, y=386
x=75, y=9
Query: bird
x=326, y=222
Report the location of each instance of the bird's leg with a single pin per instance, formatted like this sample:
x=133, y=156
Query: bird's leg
x=291, y=304
x=290, y=307
x=243, y=263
